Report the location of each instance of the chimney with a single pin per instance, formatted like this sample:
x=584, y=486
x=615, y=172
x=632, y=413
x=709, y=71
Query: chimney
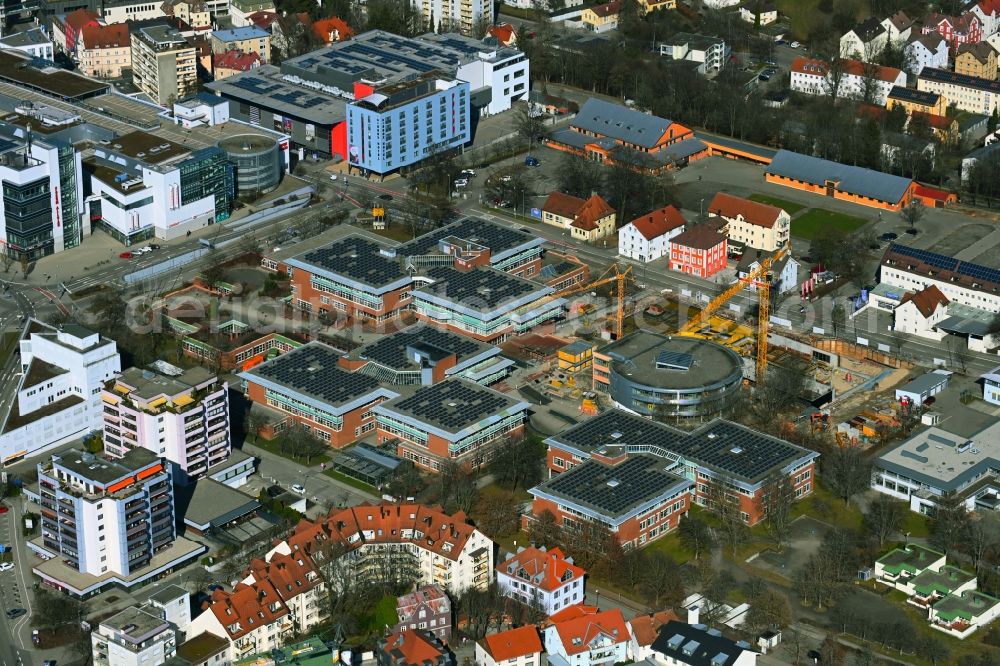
x=693, y=614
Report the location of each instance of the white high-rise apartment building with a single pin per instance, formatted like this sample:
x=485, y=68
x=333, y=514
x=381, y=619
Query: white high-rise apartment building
x=185, y=419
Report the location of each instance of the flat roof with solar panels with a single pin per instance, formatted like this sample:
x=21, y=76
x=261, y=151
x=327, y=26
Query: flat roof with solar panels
x=482, y=291
x=503, y=241
x=264, y=86
x=452, y=409
x=614, y=493
x=720, y=446
x=419, y=346
x=355, y=261
x=942, y=268
x=312, y=374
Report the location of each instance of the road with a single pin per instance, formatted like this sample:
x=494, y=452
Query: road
x=15, y=635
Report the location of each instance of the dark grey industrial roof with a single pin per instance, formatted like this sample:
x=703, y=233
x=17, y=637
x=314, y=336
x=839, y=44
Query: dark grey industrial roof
x=451, y=405
x=614, y=490
x=263, y=87
x=621, y=122
x=965, y=80
x=965, y=326
x=313, y=371
x=481, y=289
x=721, y=446
x=851, y=179
x=393, y=351
x=696, y=645
x=925, y=382
x=470, y=229
x=355, y=258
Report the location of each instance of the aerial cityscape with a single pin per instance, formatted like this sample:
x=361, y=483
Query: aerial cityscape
x=514, y=333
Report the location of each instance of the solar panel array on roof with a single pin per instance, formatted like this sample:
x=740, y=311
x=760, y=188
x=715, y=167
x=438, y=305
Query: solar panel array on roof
x=946, y=263
x=614, y=490
x=391, y=351
x=674, y=360
x=480, y=289
x=488, y=234
x=452, y=404
x=313, y=370
x=720, y=445
x=265, y=88
x=355, y=258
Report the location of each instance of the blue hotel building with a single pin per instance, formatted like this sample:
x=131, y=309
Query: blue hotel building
x=403, y=123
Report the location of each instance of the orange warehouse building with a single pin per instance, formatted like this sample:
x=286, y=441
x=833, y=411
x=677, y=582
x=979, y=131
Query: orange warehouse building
x=307, y=387
x=840, y=181
x=454, y=420
x=638, y=499
x=606, y=132
x=744, y=459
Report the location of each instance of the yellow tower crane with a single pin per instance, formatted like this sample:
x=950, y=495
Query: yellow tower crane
x=761, y=278
x=615, y=273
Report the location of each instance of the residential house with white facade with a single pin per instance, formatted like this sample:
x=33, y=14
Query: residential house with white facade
x=988, y=13
x=514, y=647
x=865, y=41
x=763, y=13
x=644, y=630
x=544, y=577
x=858, y=80
x=252, y=618
x=58, y=391
x=930, y=50
x=133, y=637
x=709, y=52
x=587, y=638
x=898, y=27
x=647, y=237
x=918, y=313
x=784, y=272
x=750, y=223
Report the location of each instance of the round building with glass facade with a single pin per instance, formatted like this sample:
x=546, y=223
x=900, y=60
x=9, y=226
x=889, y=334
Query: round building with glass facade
x=670, y=378
x=256, y=162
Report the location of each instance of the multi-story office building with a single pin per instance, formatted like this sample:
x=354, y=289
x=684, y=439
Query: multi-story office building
x=34, y=42
x=42, y=201
x=58, y=392
x=164, y=64
x=309, y=97
x=443, y=549
x=484, y=304
x=145, y=186
x=133, y=637
x=454, y=420
x=402, y=123
x=742, y=460
x=101, y=515
x=185, y=419
x=308, y=388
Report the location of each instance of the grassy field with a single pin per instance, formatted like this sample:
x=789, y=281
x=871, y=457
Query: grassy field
x=809, y=224
x=789, y=207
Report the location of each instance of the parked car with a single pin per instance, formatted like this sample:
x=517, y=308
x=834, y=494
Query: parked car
x=126, y=255
x=468, y=173
x=6, y=566
x=531, y=161
x=461, y=182
x=888, y=237
x=4, y=509
x=298, y=488
x=764, y=77
x=16, y=612
x=795, y=45
x=333, y=177
x=154, y=246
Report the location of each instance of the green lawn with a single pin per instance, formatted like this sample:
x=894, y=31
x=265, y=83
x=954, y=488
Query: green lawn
x=916, y=524
x=809, y=224
x=272, y=447
x=789, y=207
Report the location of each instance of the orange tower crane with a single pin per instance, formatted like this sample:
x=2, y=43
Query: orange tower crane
x=615, y=273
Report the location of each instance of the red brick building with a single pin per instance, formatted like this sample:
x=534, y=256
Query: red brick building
x=701, y=250
x=454, y=420
x=719, y=455
x=307, y=387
